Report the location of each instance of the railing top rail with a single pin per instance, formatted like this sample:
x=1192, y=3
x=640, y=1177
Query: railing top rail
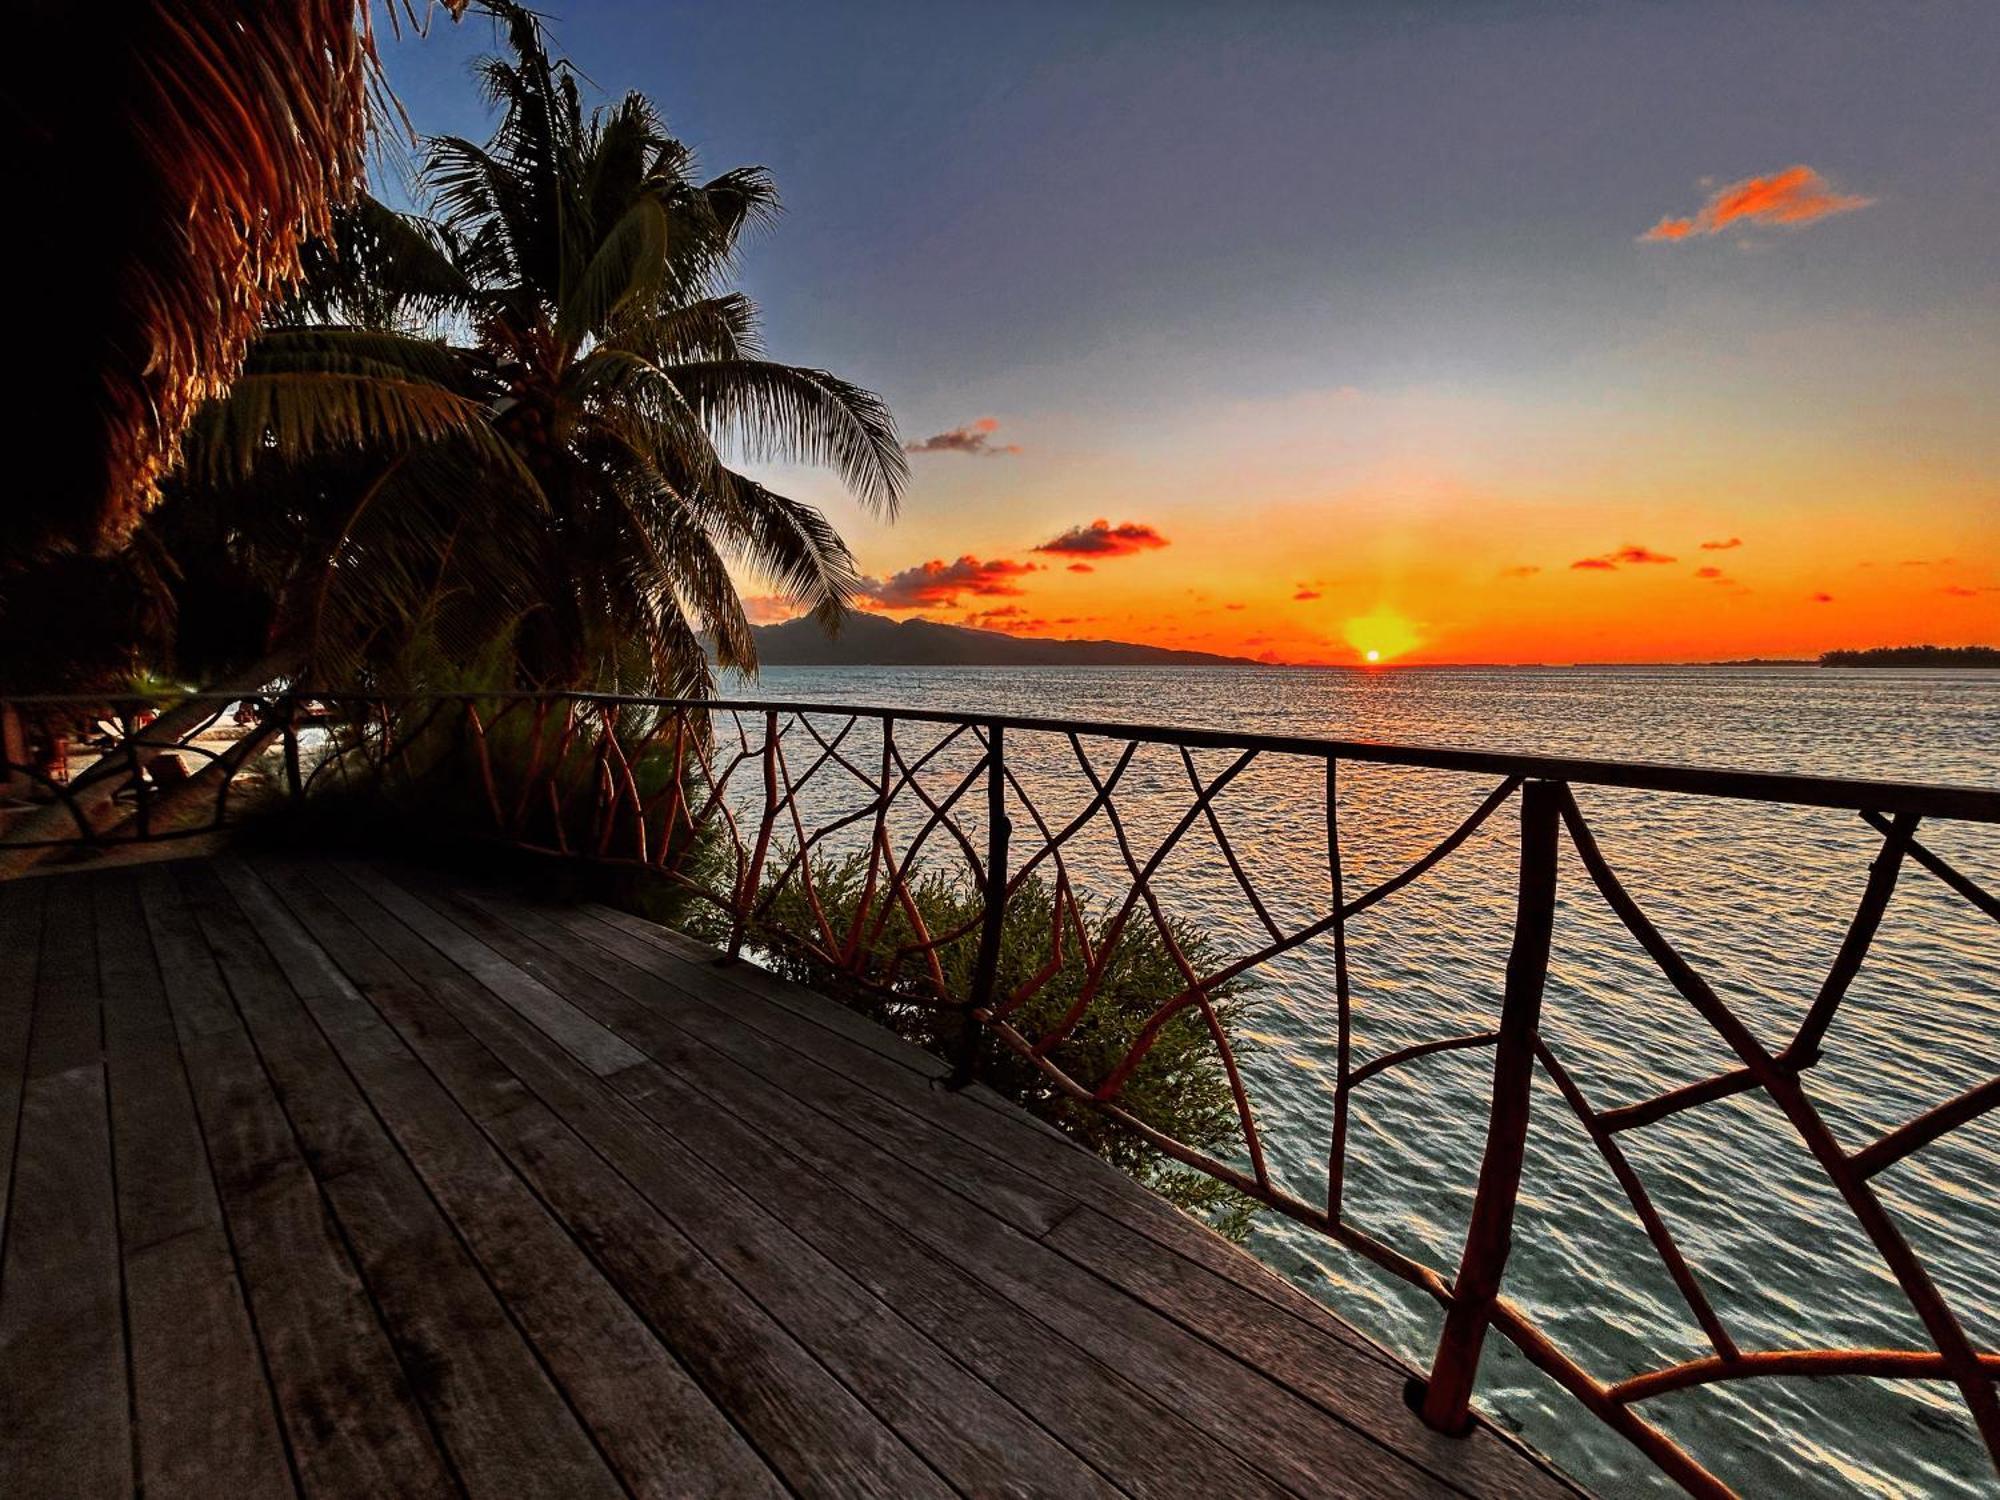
x=1858, y=794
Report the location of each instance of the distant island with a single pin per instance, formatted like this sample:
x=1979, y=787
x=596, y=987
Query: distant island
x=1763, y=661
x=1915, y=656
x=867, y=640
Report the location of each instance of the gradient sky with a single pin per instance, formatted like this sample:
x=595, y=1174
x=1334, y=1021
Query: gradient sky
x=1480, y=332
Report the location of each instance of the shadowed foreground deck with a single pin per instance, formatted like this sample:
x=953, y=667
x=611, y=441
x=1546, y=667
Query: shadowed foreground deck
x=326, y=1178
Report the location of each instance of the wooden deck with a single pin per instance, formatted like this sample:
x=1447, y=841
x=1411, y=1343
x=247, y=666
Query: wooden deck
x=328, y=1179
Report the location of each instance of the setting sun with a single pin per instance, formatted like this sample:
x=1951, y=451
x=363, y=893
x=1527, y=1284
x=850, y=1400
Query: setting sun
x=1381, y=636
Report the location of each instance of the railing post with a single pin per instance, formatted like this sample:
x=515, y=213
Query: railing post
x=13, y=750
x=1447, y=1395
x=993, y=911
x=746, y=898
x=294, y=782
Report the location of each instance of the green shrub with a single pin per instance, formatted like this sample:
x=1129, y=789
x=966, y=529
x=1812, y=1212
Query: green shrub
x=1179, y=1088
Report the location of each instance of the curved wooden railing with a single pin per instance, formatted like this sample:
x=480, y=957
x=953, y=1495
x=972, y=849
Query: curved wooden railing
x=740, y=803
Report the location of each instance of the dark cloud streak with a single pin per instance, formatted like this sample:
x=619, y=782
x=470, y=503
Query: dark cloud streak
x=974, y=439
x=1101, y=539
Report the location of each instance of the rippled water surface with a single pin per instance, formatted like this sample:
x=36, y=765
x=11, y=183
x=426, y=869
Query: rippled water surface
x=1757, y=897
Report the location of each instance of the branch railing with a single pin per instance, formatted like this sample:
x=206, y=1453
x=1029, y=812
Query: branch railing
x=742, y=806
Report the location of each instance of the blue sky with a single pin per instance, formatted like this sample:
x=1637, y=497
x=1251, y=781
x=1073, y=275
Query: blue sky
x=1164, y=247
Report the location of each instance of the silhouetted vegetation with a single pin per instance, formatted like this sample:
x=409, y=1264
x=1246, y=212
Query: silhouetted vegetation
x=1915, y=656
x=502, y=430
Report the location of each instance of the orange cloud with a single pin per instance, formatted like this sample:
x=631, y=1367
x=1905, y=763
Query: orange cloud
x=938, y=582
x=1627, y=554
x=974, y=438
x=1081, y=568
x=768, y=609
x=1521, y=570
x=1735, y=541
x=1304, y=594
x=1715, y=573
x=1797, y=195
x=1101, y=539
x=1822, y=598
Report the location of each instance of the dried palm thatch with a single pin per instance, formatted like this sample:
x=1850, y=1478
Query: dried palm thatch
x=169, y=156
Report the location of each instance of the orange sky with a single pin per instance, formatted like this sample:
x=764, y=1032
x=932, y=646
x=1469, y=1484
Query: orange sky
x=1441, y=525
x=1410, y=308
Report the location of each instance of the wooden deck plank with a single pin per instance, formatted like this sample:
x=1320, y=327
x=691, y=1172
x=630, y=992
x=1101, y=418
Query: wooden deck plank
x=1148, y=1448
x=20, y=955
x=506, y=1427
x=207, y=1423
x=804, y=1422
x=660, y=1433
x=64, y=1402
x=351, y=1423
x=968, y=1432
x=1292, y=1439
x=408, y=1185
x=768, y=986
x=1007, y=1133
x=624, y=995
x=1003, y=1132
x=1183, y=1269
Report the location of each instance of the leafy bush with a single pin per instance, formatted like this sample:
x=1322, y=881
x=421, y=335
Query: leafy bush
x=1179, y=1088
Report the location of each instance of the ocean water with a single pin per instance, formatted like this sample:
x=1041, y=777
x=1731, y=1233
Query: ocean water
x=1756, y=897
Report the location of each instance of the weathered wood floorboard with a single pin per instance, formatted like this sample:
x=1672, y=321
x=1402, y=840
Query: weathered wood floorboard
x=752, y=1075
x=64, y=1406
x=348, y=1412
x=200, y=1390
x=331, y=1179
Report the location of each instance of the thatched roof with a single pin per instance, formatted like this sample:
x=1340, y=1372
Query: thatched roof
x=171, y=155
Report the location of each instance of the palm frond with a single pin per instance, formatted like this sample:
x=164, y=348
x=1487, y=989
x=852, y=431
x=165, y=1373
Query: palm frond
x=627, y=268
x=723, y=327
x=308, y=392
x=777, y=412
x=231, y=141
x=378, y=268
x=799, y=552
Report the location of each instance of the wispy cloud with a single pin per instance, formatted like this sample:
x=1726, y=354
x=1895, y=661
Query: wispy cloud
x=1101, y=539
x=1609, y=561
x=1081, y=568
x=1728, y=545
x=974, y=438
x=1304, y=594
x=1797, y=195
x=1521, y=570
x=938, y=582
x=768, y=609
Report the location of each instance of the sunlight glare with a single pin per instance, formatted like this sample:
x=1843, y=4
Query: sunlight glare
x=1381, y=636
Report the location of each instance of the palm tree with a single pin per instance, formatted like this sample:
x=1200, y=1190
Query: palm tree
x=567, y=382
x=166, y=169
x=499, y=440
